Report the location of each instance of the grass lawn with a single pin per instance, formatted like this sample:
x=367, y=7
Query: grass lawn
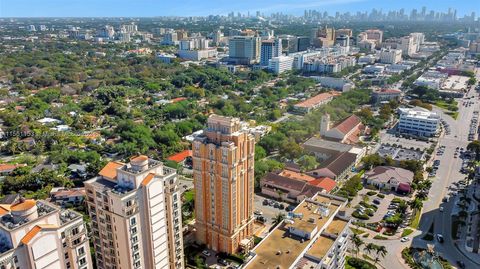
x=357, y=231
x=189, y=195
x=454, y=115
x=416, y=219
x=357, y=263
x=406, y=232
x=447, y=106
x=379, y=237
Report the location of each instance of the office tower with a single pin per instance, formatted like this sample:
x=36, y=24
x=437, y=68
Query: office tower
x=244, y=49
x=136, y=215
x=223, y=160
x=43, y=28
x=324, y=37
x=38, y=234
x=31, y=28
x=269, y=49
x=343, y=41
x=303, y=42
x=182, y=34
x=170, y=38
x=340, y=32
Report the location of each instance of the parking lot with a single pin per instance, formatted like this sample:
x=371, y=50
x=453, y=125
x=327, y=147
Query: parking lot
x=268, y=211
x=407, y=143
x=385, y=206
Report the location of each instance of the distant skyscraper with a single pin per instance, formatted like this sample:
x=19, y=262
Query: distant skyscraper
x=223, y=161
x=136, y=215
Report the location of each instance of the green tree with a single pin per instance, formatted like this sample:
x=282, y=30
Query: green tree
x=308, y=162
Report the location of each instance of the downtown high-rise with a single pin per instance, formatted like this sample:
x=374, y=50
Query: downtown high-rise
x=223, y=160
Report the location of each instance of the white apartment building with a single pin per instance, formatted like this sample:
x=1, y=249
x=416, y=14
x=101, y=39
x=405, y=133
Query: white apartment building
x=418, y=121
x=280, y=64
x=136, y=215
x=390, y=56
x=38, y=234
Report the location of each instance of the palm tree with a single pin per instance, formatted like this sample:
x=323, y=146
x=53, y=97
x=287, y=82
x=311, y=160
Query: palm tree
x=381, y=251
x=416, y=204
x=278, y=218
x=357, y=243
x=370, y=247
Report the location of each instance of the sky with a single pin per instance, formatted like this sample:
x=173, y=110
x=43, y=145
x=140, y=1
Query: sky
x=150, y=8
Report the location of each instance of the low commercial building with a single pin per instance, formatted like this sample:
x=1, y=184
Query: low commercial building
x=336, y=168
x=294, y=186
x=197, y=55
x=418, y=121
x=314, y=235
x=327, y=149
x=390, y=178
x=339, y=84
x=385, y=95
x=314, y=102
x=38, y=234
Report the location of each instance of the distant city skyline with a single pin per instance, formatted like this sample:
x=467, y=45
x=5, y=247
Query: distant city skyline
x=151, y=8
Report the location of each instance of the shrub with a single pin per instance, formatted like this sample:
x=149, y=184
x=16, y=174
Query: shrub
x=360, y=264
x=360, y=216
x=379, y=237
x=381, y=195
x=407, y=232
x=370, y=193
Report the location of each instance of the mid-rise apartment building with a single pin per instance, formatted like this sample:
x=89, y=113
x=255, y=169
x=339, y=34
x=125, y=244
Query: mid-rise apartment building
x=390, y=56
x=38, y=234
x=314, y=235
x=280, y=64
x=223, y=160
x=418, y=121
x=136, y=215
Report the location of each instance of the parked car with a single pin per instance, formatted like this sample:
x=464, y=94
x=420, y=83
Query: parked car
x=376, y=201
x=257, y=212
x=222, y=262
x=440, y=238
x=281, y=206
x=461, y=264
x=206, y=253
x=265, y=202
x=404, y=239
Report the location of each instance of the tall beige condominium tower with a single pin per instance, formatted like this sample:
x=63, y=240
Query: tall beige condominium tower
x=223, y=159
x=136, y=215
x=37, y=234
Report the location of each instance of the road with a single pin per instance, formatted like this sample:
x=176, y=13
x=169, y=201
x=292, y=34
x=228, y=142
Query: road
x=448, y=172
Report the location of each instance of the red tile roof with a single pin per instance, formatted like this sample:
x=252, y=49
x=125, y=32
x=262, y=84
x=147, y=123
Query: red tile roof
x=110, y=170
x=147, y=179
x=325, y=183
x=5, y=167
x=348, y=124
x=34, y=231
x=316, y=99
x=178, y=99
x=181, y=156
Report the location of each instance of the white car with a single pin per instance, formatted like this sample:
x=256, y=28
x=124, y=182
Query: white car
x=206, y=253
x=441, y=209
x=404, y=239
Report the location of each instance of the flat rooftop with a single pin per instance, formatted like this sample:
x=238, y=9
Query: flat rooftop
x=280, y=248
